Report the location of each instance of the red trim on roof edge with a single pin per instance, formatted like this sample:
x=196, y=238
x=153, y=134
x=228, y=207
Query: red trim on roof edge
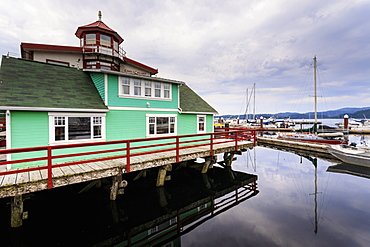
x=143, y=66
x=32, y=46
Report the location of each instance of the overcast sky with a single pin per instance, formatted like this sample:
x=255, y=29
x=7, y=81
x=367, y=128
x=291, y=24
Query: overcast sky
x=221, y=48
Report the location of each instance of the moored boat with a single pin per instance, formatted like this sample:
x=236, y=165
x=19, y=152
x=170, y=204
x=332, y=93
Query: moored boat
x=327, y=138
x=350, y=154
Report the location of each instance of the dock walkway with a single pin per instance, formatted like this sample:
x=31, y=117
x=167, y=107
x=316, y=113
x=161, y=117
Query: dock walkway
x=32, y=181
x=307, y=146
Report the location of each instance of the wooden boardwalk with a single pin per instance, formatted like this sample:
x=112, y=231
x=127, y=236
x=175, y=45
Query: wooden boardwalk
x=306, y=146
x=27, y=182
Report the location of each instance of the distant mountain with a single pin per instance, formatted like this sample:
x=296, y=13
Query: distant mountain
x=361, y=112
x=344, y=111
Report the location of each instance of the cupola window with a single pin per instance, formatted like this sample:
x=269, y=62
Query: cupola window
x=91, y=39
x=105, y=40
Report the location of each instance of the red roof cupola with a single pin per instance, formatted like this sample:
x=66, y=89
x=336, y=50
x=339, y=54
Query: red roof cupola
x=98, y=27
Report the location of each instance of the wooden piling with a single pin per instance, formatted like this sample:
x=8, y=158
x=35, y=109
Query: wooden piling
x=116, y=181
x=228, y=158
x=210, y=160
x=162, y=174
x=17, y=211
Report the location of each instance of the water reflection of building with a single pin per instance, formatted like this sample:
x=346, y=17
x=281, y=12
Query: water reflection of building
x=159, y=216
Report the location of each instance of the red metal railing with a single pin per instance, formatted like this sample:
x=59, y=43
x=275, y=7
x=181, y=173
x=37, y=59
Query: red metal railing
x=133, y=147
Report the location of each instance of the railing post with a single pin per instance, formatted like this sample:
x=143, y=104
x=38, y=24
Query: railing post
x=211, y=153
x=236, y=140
x=128, y=157
x=50, y=169
x=177, y=149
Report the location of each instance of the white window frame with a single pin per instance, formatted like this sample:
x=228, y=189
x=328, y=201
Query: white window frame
x=165, y=89
x=53, y=115
x=138, y=87
x=148, y=116
x=148, y=89
x=205, y=123
x=125, y=82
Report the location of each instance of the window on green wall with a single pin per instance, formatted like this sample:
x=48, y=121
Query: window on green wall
x=148, y=89
x=126, y=86
x=76, y=127
x=201, y=122
x=161, y=125
x=137, y=87
x=144, y=89
x=166, y=90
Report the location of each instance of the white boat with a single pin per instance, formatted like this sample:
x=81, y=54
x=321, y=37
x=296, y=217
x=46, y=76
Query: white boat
x=350, y=154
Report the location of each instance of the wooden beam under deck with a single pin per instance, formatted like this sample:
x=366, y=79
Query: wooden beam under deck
x=27, y=182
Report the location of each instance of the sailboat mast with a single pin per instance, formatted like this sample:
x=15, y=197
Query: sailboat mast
x=246, y=107
x=314, y=79
x=254, y=101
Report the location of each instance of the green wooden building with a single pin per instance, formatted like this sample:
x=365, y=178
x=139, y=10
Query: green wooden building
x=62, y=94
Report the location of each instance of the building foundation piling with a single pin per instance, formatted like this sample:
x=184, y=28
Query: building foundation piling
x=17, y=211
x=162, y=174
x=117, y=187
x=210, y=160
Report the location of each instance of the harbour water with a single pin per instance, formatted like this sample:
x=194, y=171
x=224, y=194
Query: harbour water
x=269, y=198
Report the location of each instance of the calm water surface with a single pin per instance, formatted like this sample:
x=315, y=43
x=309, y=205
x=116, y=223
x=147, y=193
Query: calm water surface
x=295, y=203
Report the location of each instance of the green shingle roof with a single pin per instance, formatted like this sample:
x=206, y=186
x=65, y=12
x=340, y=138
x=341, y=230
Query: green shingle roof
x=192, y=102
x=26, y=83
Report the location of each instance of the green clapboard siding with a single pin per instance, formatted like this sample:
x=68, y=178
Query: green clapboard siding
x=209, y=123
x=114, y=100
x=187, y=124
x=98, y=80
x=29, y=129
x=122, y=125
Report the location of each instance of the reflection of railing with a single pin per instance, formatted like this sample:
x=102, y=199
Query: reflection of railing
x=125, y=149
x=181, y=226
x=116, y=52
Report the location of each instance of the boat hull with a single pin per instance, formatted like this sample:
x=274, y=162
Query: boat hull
x=351, y=155
x=318, y=141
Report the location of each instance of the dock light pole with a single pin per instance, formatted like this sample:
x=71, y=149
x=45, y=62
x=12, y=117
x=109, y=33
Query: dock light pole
x=261, y=125
x=345, y=128
x=261, y=122
x=346, y=122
